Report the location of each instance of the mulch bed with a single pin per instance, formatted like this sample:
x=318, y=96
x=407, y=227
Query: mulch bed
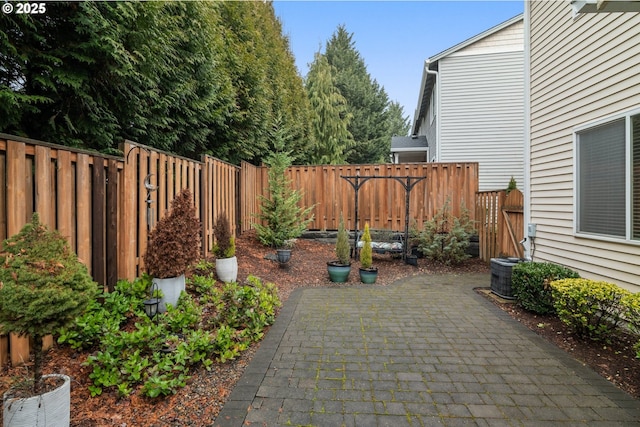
x=201, y=400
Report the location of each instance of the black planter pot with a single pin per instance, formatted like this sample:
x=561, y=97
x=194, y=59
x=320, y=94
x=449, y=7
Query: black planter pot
x=283, y=255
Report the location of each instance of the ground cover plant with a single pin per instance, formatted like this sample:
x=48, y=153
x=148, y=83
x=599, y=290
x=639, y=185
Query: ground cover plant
x=132, y=353
x=207, y=389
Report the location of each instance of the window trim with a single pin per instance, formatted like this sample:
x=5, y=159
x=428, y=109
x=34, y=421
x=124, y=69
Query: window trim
x=626, y=115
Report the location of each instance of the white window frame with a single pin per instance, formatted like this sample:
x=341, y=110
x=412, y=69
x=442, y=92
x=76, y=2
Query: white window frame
x=627, y=114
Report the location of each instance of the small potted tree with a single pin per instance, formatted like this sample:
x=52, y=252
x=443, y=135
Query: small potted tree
x=173, y=246
x=368, y=274
x=225, y=250
x=339, y=269
x=43, y=287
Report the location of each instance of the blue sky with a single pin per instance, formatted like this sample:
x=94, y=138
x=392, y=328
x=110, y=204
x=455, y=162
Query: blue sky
x=393, y=37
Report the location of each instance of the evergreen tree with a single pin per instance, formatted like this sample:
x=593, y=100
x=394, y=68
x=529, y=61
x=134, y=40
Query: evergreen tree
x=329, y=115
x=367, y=101
x=398, y=124
x=283, y=218
x=186, y=77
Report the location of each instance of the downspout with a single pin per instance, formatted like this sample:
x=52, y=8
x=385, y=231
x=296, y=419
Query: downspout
x=436, y=101
x=528, y=243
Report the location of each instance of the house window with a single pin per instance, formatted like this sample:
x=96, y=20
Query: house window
x=608, y=192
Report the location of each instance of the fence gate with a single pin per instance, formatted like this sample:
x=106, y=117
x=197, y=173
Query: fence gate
x=500, y=223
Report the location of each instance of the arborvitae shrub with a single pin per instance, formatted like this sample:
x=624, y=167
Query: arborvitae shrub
x=342, y=243
x=366, y=253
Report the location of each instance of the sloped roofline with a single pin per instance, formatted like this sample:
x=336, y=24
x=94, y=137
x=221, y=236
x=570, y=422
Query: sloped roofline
x=427, y=82
x=476, y=38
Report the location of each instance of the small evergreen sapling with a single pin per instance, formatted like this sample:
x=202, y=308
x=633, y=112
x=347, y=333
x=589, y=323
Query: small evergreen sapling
x=225, y=246
x=366, y=253
x=43, y=287
x=342, y=243
x=282, y=217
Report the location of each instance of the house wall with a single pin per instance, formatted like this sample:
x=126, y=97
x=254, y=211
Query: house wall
x=581, y=69
x=482, y=108
x=482, y=116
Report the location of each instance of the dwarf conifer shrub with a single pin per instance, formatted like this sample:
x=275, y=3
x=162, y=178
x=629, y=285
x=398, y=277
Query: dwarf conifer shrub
x=530, y=282
x=175, y=242
x=281, y=217
x=43, y=286
x=225, y=246
x=445, y=238
x=342, y=243
x=366, y=253
x=592, y=309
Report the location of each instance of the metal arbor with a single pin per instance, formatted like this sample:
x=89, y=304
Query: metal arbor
x=407, y=182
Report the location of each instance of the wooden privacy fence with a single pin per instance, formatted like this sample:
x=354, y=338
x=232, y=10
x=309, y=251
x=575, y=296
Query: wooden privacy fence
x=381, y=202
x=106, y=205
x=500, y=223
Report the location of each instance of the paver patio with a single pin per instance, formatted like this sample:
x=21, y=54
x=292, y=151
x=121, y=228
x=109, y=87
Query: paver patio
x=425, y=351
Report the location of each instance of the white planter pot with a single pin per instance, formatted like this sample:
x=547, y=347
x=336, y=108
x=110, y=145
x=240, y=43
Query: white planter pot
x=52, y=409
x=171, y=289
x=227, y=269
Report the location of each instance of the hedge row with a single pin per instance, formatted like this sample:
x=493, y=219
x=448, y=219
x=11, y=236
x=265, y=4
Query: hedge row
x=593, y=309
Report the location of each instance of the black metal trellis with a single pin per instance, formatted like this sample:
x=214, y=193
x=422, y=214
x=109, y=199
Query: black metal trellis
x=407, y=182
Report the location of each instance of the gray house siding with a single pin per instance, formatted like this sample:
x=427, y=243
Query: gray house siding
x=482, y=105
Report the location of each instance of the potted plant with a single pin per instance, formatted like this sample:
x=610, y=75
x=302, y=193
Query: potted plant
x=173, y=246
x=339, y=269
x=368, y=274
x=225, y=250
x=43, y=287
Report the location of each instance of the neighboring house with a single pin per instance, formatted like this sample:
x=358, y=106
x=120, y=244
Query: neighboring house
x=407, y=149
x=583, y=153
x=471, y=104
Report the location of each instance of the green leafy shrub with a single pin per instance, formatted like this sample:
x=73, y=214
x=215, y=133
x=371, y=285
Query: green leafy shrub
x=530, y=284
x=43, y=287
x=631, y=308
x=131, y=351
x=592, y=309
x=445, y=238
x=101, y=319
x=366, y=253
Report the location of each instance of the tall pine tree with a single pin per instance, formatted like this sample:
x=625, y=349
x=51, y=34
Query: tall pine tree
x=367, y=101
x=329, y=115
